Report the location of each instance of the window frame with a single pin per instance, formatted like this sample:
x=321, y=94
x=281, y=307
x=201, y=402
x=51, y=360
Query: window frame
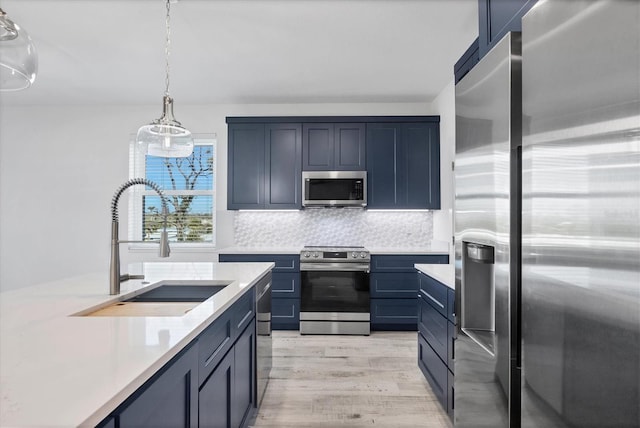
x=137, y=168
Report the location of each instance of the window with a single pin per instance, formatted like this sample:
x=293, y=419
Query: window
x=189, y=185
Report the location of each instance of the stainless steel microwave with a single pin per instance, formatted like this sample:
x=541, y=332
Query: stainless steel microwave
x=334, y=188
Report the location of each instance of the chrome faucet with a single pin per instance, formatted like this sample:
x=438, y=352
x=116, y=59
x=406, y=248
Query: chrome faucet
x=115, y=278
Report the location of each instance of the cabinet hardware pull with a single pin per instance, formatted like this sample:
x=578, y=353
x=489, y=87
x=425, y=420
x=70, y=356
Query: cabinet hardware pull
x=433, y=299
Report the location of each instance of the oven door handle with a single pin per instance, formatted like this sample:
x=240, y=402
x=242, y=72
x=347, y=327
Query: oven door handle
x=340, y=267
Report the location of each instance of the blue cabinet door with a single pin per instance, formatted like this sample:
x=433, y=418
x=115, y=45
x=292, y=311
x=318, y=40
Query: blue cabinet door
x=419, y=171
x=333, y=147
x=285, y=314
x=383, y=145
x=246, y=166
x=169, y=400
x=403, y=165
x=283, y=166
x=244, y=374
x=433, y=326
x=394, y=314
x=434, y=370
x=215, y=404
x=393, y=285
x=349, y=147
x=317, y=146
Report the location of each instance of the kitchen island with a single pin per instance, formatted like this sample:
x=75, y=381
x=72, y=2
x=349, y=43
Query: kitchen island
x=60, y=369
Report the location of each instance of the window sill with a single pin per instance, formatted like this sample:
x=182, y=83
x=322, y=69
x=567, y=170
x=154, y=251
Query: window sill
x=175, y=248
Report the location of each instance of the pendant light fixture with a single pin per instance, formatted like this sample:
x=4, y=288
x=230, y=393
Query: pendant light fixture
x=18, y=57
x=166, y=137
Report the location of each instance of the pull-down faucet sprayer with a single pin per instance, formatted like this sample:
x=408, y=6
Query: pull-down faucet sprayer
x=114, y=268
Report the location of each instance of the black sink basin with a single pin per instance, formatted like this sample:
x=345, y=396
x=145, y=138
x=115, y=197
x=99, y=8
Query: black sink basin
x=178, y=293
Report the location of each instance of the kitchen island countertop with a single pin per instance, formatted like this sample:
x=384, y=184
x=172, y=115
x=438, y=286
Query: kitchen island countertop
x=57, y=369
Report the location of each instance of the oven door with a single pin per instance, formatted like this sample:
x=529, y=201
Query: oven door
x=335, y=291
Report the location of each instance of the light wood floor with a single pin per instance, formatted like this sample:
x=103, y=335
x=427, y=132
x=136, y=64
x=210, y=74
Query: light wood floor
x=348, y=381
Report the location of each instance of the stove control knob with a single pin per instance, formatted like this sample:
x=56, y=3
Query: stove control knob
x=316, y=255
x=307, y=254
x=354, y=255
x=362, y=255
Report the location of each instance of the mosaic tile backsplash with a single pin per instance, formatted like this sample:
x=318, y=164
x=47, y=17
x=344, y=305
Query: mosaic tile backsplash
x=333, y=227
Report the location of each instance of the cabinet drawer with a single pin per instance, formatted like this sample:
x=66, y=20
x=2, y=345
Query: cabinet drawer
x=285, y=314
x=395, y=311
x=213, y=345
x=243, y=311
x=433, y=326
x=404, y=263
x=434, y=293
x=283, y=262
x=285, y=285
x=434, y=370
x=393, y=285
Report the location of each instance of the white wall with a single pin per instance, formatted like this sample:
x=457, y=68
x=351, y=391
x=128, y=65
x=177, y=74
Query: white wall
x=59, y=167
x=444, y=105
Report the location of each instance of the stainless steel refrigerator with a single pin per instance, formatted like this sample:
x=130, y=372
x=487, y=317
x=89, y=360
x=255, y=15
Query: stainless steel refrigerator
x=581, y=214
x=487, y=238
x=548, y=223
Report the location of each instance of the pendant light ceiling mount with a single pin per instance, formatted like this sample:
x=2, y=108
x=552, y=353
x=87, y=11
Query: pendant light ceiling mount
x=166, y=137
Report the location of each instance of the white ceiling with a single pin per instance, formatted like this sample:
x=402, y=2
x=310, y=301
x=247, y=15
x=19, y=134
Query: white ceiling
x=243, y=51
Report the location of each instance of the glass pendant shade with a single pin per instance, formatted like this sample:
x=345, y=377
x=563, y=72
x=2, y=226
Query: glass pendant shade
x=165, y=137
x=18, y=57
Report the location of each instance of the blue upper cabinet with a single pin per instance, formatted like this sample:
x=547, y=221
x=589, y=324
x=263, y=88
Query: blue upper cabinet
x=283, y=166
x=467, y=61
x=497, y=18
x=264, y=166
x=266, y=156
x=403, y=165
x=333, y=146
x=246, y=166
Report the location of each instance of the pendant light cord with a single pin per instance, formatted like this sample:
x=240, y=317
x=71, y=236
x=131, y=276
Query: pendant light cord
x=167, y=50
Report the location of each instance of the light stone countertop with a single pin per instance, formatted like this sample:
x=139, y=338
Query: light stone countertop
x=444, y=274
x=260, y=250
x=63, y=370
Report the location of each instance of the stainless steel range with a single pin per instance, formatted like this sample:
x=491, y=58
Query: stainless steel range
x=335, y=290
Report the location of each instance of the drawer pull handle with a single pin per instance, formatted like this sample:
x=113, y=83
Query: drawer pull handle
x=433, y=299
x=246, y=317
x=217, y=351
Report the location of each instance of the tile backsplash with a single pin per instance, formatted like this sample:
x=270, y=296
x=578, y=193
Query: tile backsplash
x=333, y=227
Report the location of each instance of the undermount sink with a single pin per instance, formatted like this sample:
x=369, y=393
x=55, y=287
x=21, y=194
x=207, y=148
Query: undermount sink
x=177, y=293
x=163, y=301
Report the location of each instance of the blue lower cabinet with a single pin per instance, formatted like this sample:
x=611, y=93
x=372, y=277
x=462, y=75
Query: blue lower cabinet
x=214, y=400
x=226, y=398
x=244, y=384
x=393, y=285
x=169, y=399
x=285, y=285
x=434, y=370
x=211, y=383
x=394, y=314
x=285, y=314
x=433, y=328
x=437, y=332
